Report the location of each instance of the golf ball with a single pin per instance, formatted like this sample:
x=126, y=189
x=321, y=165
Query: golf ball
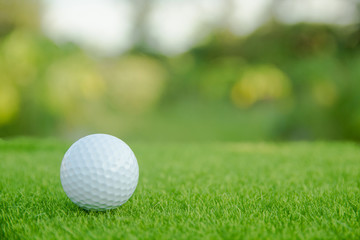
x=99, y=172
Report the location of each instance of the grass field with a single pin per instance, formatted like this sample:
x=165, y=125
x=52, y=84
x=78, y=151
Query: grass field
x=191, y=191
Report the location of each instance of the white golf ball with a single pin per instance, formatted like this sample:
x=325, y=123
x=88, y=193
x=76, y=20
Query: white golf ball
x=99, y=172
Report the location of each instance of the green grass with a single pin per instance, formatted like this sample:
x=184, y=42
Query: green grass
x=191, y=191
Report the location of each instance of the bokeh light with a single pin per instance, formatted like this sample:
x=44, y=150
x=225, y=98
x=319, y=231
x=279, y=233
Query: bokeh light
x=19, y=54
x=263, y=83
x=73, y=84
x=9, y=101
x=324, y=93
x=136, y=83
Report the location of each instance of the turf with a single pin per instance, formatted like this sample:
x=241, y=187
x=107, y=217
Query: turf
x=191, y=191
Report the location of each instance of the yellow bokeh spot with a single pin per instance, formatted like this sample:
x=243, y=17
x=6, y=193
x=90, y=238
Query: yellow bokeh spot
x=260, y=83
x=92, y=85
x=73, y=84
x=18, y=49
x=242, y=95
x=9, y=102
x=324, y=93
x=136, y=83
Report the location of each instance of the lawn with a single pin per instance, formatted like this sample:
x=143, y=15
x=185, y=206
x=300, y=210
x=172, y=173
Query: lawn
x=191, y=191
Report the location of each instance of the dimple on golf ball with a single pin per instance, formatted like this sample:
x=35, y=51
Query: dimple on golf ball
x=99, y=172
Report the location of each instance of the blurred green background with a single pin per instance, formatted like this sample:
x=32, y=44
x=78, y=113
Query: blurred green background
x=181, y=70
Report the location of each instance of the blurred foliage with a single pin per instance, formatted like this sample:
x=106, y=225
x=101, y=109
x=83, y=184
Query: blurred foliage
x=281, y=82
